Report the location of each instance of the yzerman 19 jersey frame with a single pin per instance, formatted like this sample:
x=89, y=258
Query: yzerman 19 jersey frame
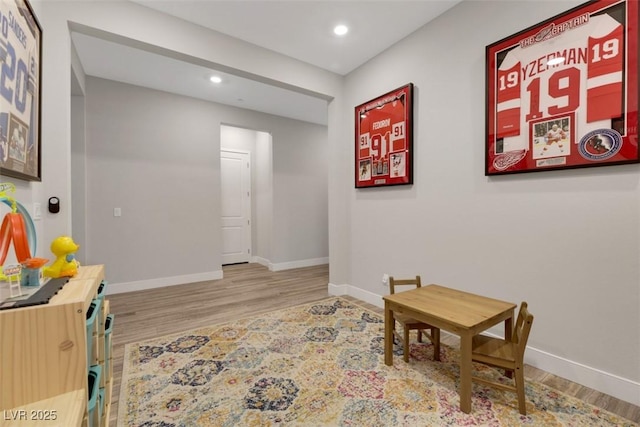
x=20, y=90
x=384, y=139
x=564, y=93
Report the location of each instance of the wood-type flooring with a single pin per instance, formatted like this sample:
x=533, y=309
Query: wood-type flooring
x=250, y=289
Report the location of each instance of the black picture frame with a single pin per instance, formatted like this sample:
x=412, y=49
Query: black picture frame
x=20, y=91
x=384, y=139
x=563, y=94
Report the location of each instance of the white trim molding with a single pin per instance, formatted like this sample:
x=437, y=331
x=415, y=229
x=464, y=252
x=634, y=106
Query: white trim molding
x=604, y=382
x=161, y=282
x=297, y=264
x=262, y=261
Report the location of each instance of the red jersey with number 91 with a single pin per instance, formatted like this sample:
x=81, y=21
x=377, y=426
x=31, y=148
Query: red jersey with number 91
x=587, y=81
x=382, y=131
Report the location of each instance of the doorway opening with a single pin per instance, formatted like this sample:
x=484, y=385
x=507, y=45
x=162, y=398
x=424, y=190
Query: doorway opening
x=245, y=176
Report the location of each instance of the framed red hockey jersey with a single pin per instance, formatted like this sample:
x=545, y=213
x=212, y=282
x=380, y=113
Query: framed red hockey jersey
x=384, y=139
x=564, y=93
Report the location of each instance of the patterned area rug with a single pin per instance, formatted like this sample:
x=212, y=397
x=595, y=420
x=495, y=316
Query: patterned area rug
x=319, y=364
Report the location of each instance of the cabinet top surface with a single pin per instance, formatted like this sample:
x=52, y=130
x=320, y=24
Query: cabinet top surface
x=81, y=288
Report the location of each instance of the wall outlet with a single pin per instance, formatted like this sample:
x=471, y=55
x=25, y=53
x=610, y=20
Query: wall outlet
x=385, y=279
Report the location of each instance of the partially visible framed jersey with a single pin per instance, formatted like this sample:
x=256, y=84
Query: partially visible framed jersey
x=564, y=93
x=20, y=89
x=384, y=139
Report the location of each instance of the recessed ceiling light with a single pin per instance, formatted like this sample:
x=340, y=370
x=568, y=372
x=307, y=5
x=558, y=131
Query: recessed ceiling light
x=341, y=30
x=215, y=79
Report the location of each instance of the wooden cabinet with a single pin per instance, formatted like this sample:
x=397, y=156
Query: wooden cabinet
x=46, y=353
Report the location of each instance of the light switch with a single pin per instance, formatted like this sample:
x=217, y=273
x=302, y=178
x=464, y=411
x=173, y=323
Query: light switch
x=117, y=212
x=37, y=212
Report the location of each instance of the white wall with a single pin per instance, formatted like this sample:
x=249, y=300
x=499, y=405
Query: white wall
x=263, y=197
x=290, y=193
x=144, y=28
x=79, y=176
x=141, y=27
x=567, y=242
x=155, y=156
x=453, y=226
x=300, y=191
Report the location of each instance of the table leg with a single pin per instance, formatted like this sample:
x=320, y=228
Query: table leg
x=508, y=335
x=388, y=334
x=508, y=328
x=465, y=373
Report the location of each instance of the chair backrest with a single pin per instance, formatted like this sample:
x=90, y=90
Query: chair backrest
x=416, y=283
x=522, y=328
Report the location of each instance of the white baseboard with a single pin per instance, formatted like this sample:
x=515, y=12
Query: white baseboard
x=292, y=264
x=361, y=294
x=262, y=261
x=141, y=285
x=604, y=382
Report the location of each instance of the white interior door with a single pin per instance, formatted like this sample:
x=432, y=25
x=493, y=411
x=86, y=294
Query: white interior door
x=235, y=173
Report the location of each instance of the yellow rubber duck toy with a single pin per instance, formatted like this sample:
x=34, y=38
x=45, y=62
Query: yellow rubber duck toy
x=65, y=265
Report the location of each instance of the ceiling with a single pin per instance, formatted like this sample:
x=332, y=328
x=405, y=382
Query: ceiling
x=301, y=29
